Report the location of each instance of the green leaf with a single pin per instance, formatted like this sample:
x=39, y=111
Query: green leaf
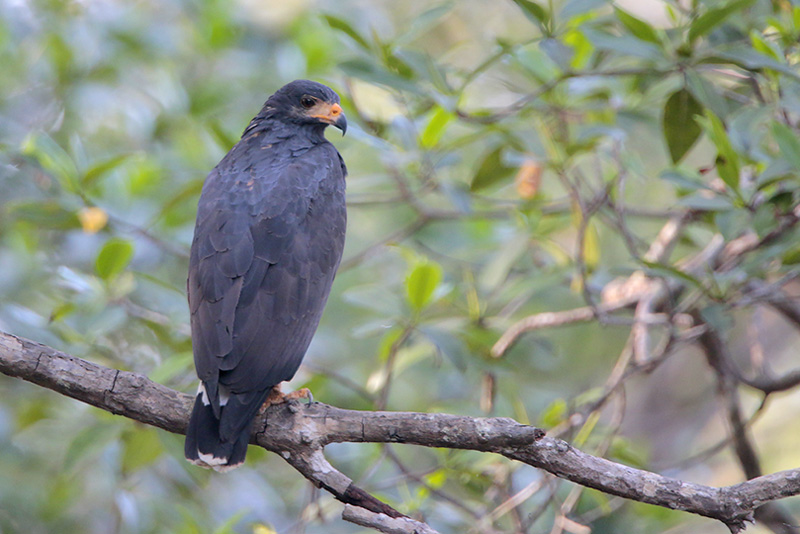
x=436, y=479
x=179, y=209
x=561, y=54
x=681, y=131
x=706, y=93
x=99, y=170
x=788, y=143
x=575, y=8
x=223, y=139
x=624, y=451
x=113, y=258
x=712, y=18
x=60, y=54
x=792, y=257
x=388, y=342
x=625, y=44
x=140, y=447
x=750, y=59
x=63, y=310
x=731, y=223
x=396, y=64
x=668, y=271
x=537, y=63
x=91, y=440
x=368, y=70
x=375, y=297
x=30, y=411
x=718, y=316
x=45, y=214
x=554, y=413
x=491, y=170
x=59, y=495
x=437, y=124
x=591, y=246
x=638, y=27
x=534, y=12
x=683, y=181
x=229, y=526
x=764, y=220
x=421, y=23
x=703, y=202
x=449, y=345
x=173, y=366
x=421, y=282
x=53, y=159
x=586, y=430
x=582, y=48
x=727, y=161
x=343, y=26
x=144, y=175
x=765, y=47
x=496, y=269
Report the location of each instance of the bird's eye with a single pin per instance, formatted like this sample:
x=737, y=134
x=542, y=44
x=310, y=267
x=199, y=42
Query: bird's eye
x=307, y=101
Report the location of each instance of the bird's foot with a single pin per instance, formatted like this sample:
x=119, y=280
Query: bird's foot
x=302, y=393
x=276, y=396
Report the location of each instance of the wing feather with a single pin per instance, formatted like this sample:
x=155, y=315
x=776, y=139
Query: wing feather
x=261, y=269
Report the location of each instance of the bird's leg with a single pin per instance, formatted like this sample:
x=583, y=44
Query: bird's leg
x=276, y=396
x=302, y=393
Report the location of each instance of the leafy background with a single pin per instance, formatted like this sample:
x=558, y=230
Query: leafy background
x=481, y=134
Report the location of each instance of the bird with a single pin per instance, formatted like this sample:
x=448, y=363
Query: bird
x=267, y=243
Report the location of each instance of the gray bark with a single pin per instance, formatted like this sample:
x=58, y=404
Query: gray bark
x=299, y=432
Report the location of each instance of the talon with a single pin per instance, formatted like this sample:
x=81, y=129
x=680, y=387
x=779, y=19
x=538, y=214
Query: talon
x=302, y=393
x=277, y=397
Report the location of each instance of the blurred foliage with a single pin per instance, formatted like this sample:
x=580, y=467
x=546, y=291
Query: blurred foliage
x=481, y=135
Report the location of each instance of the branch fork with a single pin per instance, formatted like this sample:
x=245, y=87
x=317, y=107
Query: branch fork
x=299, y=432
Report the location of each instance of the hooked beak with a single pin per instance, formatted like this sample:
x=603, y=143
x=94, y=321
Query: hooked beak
x=341, y=123
x=331, y=114
x=337, y=119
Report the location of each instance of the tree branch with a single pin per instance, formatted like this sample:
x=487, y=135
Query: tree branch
x=384, y=523
x=719, y=358
x=298, y=433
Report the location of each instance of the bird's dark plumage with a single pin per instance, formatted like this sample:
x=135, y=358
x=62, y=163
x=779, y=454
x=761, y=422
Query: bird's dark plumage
x=267, y=242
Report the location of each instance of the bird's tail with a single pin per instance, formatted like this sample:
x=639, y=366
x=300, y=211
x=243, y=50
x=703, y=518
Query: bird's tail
x=221, y=443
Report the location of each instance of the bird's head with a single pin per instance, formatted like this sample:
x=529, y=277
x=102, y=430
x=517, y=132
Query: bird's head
x=307, y=102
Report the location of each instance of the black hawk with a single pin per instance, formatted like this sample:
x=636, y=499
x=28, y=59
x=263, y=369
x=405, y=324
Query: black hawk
x=268, y=239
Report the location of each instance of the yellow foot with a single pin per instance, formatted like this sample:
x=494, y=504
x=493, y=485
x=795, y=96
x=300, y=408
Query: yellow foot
x=277, y=397
x=302, y=393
